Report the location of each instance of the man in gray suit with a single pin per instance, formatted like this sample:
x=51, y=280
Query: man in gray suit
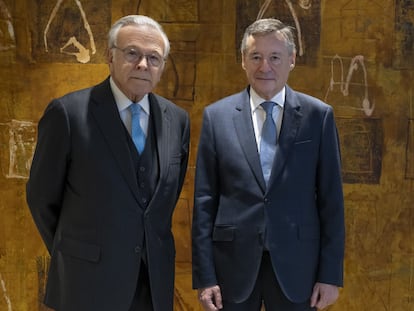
x=102, y=205
x=268, y=224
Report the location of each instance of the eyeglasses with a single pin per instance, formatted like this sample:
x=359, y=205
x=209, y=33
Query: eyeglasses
x=132, y=55
x=258, y=59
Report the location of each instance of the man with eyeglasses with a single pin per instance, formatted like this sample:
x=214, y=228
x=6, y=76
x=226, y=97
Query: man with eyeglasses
x=268, y=226
x=108, y=169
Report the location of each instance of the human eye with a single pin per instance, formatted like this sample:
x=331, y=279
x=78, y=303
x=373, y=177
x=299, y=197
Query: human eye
x=154, y=59
x=131, y=52
x=274, y=59
x=255, y=58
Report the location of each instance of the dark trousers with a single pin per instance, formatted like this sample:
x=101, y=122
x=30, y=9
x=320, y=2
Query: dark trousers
x=142, y=299
x=267, y=292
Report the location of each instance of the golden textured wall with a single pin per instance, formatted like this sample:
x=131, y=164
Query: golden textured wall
x=358, y=55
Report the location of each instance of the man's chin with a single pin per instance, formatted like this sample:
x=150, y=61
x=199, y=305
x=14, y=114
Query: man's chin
x=266, y=93
x=140, y=83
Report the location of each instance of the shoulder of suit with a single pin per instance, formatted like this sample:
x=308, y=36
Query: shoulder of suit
x=168, y=104
x=78, y=100
x=86, y=93
x=306, y=99
x=231, y=100
x=75, y=99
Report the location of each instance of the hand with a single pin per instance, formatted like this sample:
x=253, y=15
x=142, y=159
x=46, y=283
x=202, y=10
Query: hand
x=210, y=298
x=324, y=295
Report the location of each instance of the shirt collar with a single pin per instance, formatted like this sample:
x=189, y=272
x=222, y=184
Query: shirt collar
x=123, y=102
x=256, y=100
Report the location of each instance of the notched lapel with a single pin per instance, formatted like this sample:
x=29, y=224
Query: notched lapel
x=244, y=128
x=105, y=113
x=290, y=125
x=162, y=125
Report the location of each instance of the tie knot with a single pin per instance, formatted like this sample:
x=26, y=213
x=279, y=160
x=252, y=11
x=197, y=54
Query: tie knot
x=268, y=107
x=135, y=108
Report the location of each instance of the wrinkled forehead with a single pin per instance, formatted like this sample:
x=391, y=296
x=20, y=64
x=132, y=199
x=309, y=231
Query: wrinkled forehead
x=141, y=36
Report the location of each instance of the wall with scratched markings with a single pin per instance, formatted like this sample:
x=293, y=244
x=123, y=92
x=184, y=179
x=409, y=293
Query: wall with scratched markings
x=357, y=55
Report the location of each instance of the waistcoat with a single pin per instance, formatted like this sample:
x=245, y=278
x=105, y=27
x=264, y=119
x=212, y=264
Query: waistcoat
x=146, y=165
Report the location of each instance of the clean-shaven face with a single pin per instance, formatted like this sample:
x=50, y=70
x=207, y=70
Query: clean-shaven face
x=136, y=79
x=267, y=63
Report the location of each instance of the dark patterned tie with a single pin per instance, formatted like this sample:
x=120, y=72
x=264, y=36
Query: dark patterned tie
x=138, y=136
x=268, y=141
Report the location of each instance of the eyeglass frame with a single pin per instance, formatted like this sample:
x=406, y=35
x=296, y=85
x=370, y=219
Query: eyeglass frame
x=140, y=56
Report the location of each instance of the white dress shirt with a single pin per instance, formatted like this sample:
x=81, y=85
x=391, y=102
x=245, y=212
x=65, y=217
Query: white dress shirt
x=259, y=114
x=123, y=103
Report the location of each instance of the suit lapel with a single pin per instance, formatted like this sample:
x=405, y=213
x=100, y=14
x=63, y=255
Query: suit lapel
x=242, y=120
x=106, y=114
x=292, y=117
x=162, y=135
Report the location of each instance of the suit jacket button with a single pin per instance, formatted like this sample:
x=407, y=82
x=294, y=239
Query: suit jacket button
x=137, y=249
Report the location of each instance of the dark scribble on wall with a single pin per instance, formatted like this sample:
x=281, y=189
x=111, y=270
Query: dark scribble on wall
x=361, y=149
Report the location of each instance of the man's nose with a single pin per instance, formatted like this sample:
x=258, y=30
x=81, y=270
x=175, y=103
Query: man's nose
x=142, y=62
x=265, y=65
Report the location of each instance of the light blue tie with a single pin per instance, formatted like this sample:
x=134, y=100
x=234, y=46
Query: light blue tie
x=268, y=141
x=138, y=136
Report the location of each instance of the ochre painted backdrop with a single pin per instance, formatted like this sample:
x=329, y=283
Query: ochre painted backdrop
x=358, y=55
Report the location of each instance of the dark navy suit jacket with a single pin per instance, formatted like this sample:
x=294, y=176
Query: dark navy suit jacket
x=301, y=215
x=84, y=198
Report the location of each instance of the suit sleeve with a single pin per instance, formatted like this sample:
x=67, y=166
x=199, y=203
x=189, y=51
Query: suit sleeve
x=330, y=205
x=205, y=208
x=45, y=187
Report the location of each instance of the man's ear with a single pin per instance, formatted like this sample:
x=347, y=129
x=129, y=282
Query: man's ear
x=292, y=61
x=109, y=55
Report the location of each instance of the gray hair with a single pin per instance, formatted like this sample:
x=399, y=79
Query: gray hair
x=268, y=25
x=140, y=20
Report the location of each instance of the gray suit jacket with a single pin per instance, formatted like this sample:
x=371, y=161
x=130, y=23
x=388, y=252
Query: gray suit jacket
x=300, y=215
x=84, y=198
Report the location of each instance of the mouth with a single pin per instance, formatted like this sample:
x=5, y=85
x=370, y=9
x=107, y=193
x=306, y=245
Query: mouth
x=141, y=79
x=265, y=79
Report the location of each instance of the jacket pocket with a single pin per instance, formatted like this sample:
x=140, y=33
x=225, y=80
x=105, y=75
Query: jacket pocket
x=300, y=142
x=223, y=233
x=79, y=249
